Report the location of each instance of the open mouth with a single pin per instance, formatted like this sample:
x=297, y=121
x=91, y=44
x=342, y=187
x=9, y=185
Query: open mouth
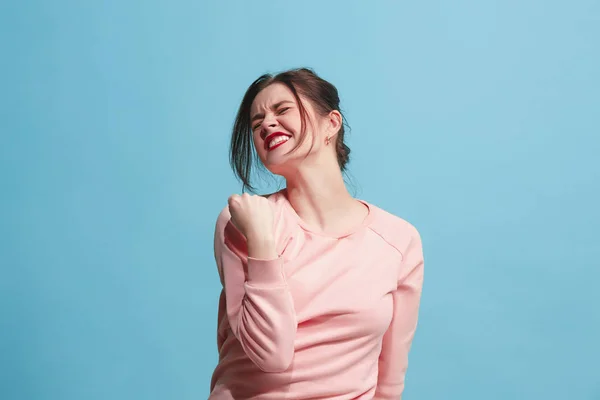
x=275, y=140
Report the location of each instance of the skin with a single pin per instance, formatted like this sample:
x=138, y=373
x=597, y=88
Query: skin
x=314, y=180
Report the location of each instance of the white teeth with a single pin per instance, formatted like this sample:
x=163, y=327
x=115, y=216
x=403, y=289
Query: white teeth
x=278, y=140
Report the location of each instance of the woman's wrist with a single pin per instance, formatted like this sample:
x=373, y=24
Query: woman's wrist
x=262, y=246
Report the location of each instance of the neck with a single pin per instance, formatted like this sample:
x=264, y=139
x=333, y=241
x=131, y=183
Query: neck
x=318, y=193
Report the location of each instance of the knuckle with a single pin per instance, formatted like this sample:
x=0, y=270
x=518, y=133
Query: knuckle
x=233, y=200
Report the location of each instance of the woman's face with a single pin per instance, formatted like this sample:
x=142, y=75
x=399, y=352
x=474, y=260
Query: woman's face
x=276, y=127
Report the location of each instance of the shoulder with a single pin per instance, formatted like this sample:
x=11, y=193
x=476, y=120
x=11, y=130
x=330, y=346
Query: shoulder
x=404, y=238
x=395, y=230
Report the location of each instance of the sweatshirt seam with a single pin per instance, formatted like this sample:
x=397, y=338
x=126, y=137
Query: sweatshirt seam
x=389, y=243
x=267, y=287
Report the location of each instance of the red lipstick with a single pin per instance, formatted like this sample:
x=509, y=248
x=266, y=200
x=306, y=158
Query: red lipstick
x=273, y=136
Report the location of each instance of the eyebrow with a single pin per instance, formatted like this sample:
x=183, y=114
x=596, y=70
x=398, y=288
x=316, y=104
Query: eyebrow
x=275, y=106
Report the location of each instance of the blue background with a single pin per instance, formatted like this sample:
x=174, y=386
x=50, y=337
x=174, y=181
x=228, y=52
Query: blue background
x=477, y=121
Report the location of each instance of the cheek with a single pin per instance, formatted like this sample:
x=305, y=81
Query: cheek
x=292, y=123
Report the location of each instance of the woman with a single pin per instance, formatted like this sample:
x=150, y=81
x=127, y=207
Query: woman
x=320, y=290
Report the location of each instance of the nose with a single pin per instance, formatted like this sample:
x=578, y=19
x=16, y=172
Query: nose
x=268, y=122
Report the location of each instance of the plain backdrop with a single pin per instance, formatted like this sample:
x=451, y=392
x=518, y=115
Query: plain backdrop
x=477, y=121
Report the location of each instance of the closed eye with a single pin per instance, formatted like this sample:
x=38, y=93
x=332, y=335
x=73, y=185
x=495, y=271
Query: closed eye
x=279, y=112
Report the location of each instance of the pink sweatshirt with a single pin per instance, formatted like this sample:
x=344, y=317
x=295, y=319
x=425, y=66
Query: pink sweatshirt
x=332, y=317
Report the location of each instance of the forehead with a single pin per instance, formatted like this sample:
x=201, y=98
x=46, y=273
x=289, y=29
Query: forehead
x=270, y=95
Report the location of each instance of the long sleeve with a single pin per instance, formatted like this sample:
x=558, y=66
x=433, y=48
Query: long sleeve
x=258, y=303
x=393, y=360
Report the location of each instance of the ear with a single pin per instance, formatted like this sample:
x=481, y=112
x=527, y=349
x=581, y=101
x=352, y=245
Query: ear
x=335, y=122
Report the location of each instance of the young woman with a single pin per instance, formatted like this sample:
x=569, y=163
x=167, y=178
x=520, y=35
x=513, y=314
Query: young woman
x=321, y=290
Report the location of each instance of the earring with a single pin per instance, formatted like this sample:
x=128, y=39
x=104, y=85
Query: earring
x=327, y=140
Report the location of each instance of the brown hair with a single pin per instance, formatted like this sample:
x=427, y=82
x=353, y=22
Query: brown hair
x=302, y=82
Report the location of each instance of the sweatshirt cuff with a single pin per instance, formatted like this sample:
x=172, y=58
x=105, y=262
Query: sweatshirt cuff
x=266, y=272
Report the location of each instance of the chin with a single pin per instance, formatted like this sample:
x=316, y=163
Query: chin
x=276, y=168
x=280, y=165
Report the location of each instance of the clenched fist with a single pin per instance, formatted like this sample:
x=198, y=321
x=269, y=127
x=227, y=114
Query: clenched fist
x=252, y=215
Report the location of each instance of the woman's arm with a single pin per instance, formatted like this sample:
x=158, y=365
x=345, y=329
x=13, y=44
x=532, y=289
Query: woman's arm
x=393, y=360
x=259, y=307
